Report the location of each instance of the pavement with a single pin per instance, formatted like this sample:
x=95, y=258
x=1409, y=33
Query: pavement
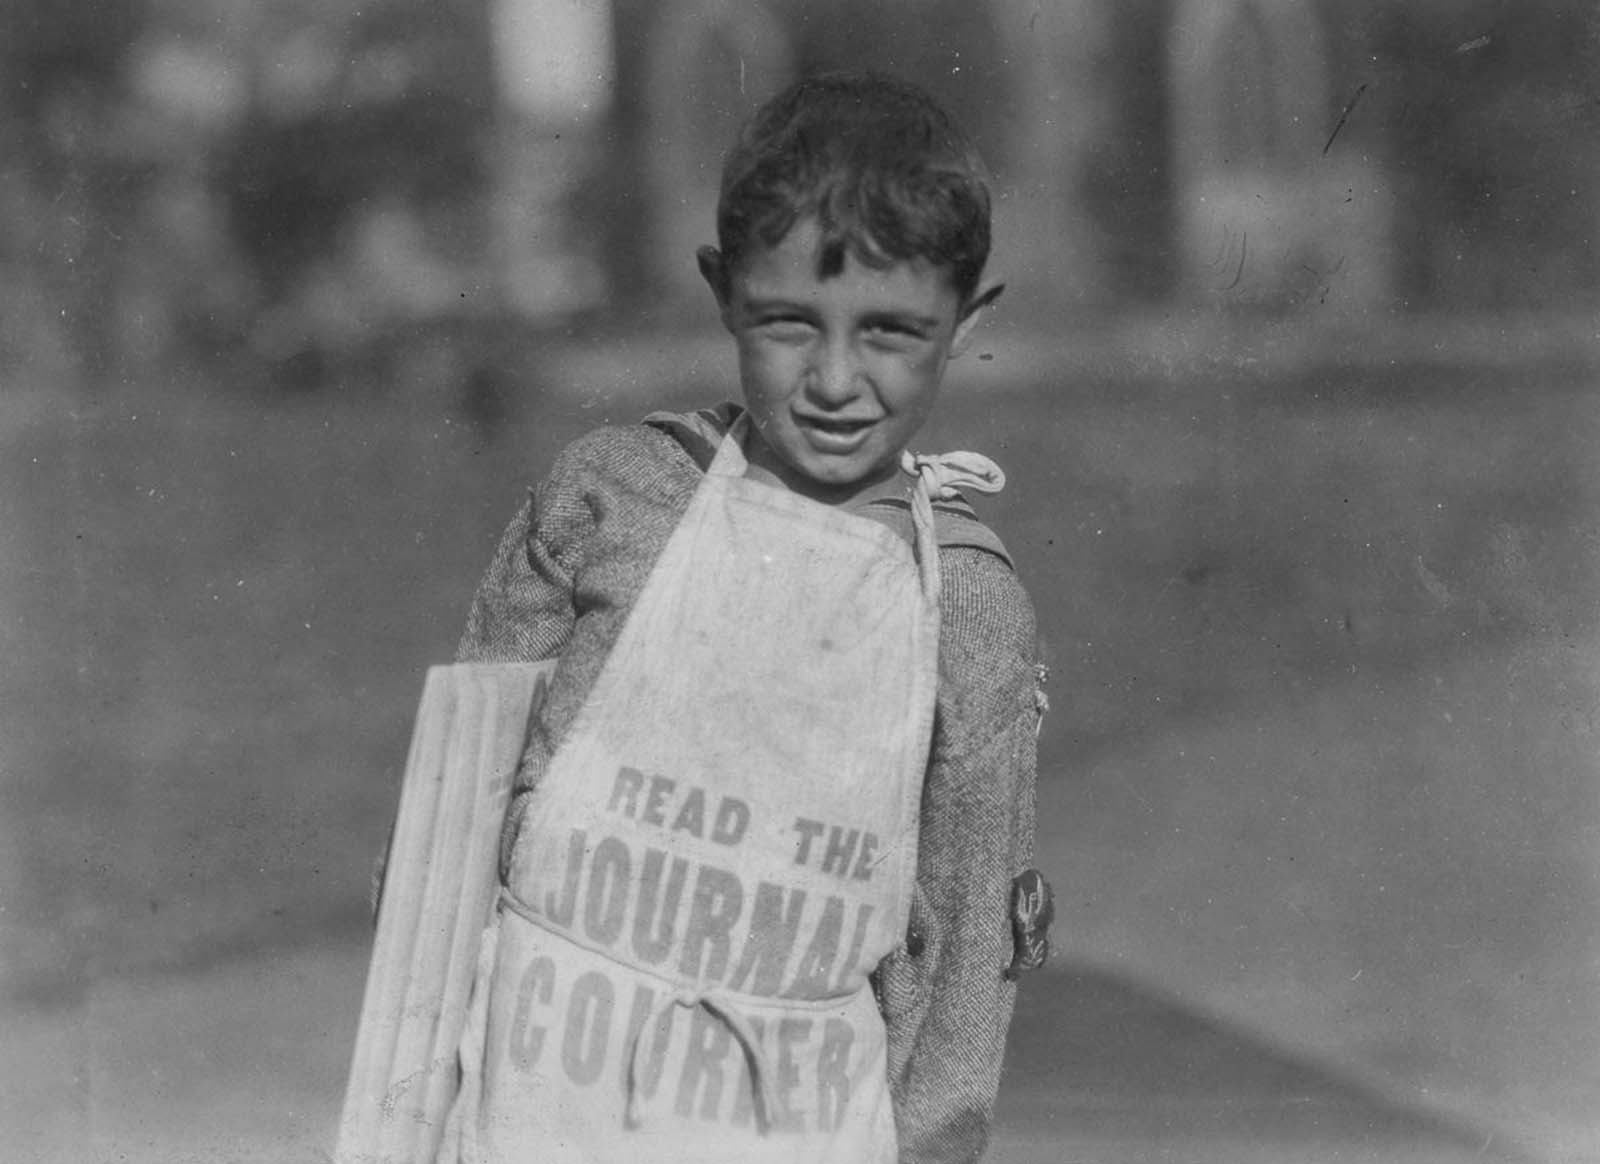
x=242, y=1060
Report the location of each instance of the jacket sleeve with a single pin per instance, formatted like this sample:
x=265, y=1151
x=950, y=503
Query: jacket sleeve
x=945, y=997
x=525, y=606
x=523, y=610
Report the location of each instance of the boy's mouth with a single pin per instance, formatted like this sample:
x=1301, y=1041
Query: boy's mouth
x=834, y=434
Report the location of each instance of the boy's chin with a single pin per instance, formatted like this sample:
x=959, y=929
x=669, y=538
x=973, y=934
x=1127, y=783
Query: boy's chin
x=838, y=482
x=814, y=473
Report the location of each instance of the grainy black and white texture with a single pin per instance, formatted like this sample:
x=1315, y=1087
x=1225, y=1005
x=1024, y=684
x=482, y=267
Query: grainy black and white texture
x=563, y=582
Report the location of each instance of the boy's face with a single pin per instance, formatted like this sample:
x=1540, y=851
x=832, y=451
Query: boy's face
x=838, y=373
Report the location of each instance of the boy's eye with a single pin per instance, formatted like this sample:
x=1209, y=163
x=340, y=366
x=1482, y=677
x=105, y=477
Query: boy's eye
x=894, y=334
x=786, y=327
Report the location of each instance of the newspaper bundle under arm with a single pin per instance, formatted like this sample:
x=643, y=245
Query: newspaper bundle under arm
x=440, y=884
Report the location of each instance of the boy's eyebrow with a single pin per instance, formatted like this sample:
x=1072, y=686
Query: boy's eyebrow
x=762, y=305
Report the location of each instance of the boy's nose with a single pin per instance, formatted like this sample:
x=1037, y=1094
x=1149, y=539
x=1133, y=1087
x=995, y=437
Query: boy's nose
x=835, y=374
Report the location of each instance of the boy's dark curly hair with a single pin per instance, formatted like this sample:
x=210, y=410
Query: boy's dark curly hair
x=885, y=171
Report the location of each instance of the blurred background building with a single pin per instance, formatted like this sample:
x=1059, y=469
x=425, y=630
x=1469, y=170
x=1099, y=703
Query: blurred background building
x=297, y=179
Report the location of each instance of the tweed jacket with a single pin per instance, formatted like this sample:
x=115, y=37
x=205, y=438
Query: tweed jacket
x=561, y=583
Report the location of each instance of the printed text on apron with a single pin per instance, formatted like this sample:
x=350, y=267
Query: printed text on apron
x=720, y=852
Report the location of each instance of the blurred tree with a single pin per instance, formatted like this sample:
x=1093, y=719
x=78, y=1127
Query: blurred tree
x=1491, y=111
x=398, y=116
x=1128, y=186
x=77, y=170
x=54, y=50
x=1485, y=114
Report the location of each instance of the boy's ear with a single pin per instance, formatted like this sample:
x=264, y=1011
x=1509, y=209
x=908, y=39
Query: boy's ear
x=976, y=308
x=714, y=270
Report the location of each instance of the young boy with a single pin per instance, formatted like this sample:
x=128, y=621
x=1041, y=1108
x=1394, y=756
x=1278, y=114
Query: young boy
x=758, y=871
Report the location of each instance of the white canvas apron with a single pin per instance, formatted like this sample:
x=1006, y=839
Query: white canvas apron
x=718, y=856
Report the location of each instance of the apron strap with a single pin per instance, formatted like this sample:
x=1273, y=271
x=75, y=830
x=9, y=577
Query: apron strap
x=459, y=1144
x=940, y=476
x=730, y=459
x=761, y=1078
x=762, y=1085
x=944, y=475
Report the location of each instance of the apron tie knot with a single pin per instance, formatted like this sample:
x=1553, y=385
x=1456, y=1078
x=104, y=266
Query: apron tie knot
x=943, y=474
x=762, y=1083
x=939, y=477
